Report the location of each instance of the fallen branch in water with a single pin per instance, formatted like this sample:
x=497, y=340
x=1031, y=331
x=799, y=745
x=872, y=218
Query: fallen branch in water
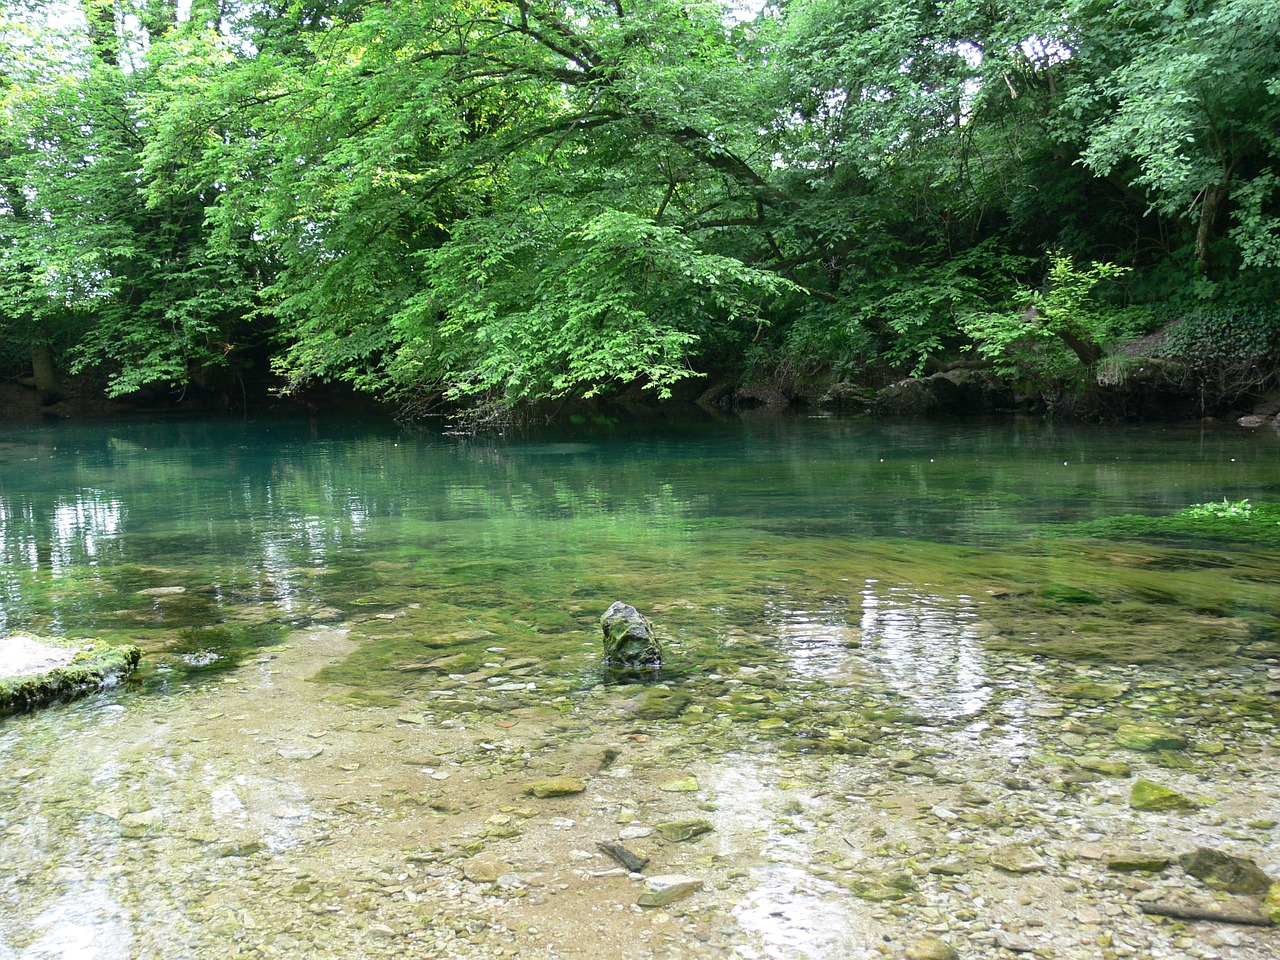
x=622, y=855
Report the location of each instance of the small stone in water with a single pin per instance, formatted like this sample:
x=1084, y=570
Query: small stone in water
x=1131, y=861
x=1147, y=737
x=1154, y=798
x=660, y=891
x=300, y=753
x=556, y=787
x=931, y=948
x=680, y=785
x=1108, y=768
x=1017, y=858
x=1090, y=690
x=677, y=830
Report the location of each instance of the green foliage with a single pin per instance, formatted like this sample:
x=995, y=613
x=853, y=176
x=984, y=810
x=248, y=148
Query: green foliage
x=505, y=201
x=1047, y=334
x=923, y=305
x=1187, y=111
x=616, y=299
x=1227, y=352
x=824, y=337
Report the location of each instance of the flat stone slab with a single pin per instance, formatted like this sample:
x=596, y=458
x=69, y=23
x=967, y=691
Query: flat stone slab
x=24, y=656
x=35, y=671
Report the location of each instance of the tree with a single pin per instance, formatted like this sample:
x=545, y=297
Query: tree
x=1189, y=113
x=441, y=175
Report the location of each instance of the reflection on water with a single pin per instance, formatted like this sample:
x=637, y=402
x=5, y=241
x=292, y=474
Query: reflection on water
x=924, y=645
x=86, y=921
x=792, y=914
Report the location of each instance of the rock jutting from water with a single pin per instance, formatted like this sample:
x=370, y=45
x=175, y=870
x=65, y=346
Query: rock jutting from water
x=59, y=669
x=629, y=640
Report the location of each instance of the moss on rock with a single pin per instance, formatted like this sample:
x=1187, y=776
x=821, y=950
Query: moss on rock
x=95, y=666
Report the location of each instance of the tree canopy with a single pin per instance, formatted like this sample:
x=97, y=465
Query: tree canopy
x=514, y=200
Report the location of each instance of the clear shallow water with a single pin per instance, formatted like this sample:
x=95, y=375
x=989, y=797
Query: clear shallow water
x=831, y=592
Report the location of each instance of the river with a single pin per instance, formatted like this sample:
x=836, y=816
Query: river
x=906, y=671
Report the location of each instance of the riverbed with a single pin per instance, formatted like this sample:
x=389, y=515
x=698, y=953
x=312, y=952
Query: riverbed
x=906, y=670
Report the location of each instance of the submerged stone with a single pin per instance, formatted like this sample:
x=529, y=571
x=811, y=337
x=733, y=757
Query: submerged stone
x=556, y=787
x=1017, y=858
x=932, y=948
x=678, y=830
x=680, y=785
x=1108, y=768
x=484, y=869
x=1222, y=871
x=629, y=640
x=1131, y=861
x=662, y=703
x=1148, y=737
x=1090, y=690
x=660, y=891
x=883, y=890
x=1154, y=798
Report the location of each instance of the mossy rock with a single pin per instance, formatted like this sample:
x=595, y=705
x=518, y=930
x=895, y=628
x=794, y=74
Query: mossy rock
x=1154, y=798
x=1104, y=766
x=1149, y=737
x=629, y=640
x=1134, y=861
x=1271, y=905
x=675, y=831
x=1222, y=871
x=95, y=666
x=556, y=787
x=660, y=703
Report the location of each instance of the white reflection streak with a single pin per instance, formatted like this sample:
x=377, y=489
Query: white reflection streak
x=84, y=523
x=84, y=922
x=790, y=913
x=925, y=651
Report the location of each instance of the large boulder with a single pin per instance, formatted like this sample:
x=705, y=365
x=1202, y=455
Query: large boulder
x=628, y=638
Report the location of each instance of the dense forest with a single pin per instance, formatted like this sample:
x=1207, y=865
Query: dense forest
x=498, y=203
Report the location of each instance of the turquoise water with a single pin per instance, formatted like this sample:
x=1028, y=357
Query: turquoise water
x=360, y=643
x=266, y=527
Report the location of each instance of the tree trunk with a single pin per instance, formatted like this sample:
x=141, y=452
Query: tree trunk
x=101, y=17
x=47, y=386
x=1213, y=197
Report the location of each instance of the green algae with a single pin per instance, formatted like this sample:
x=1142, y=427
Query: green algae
x=1243, y=521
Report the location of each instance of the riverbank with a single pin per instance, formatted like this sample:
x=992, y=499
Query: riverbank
x=960, y=393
